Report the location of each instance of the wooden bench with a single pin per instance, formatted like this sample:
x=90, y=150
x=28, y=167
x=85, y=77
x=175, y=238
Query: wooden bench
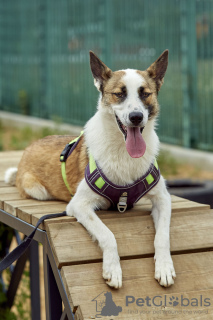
x=78, y=258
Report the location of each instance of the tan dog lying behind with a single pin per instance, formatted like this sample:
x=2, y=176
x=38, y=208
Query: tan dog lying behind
x=122, y=143
x=39, y=172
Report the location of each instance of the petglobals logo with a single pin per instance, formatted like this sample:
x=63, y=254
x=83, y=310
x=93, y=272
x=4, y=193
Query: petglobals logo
x=105, y=305
x=159, y=301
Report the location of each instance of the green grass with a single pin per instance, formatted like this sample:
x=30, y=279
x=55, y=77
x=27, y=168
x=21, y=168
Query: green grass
x=21, y=306
x=168, y=165
x=19, y=138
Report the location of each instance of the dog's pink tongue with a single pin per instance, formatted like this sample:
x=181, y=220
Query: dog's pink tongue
x=135, y=143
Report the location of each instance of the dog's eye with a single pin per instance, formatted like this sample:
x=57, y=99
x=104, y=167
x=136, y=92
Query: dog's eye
x=119, y=94
x=146, y=94
x=143, y=94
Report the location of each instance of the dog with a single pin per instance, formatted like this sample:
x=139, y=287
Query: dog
x=122, y=142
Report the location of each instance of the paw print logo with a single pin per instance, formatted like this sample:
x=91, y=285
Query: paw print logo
x=173, y=301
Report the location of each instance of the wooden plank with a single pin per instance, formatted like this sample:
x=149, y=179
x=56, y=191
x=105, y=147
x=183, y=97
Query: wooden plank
x=10, y=196
x=102, y=214
x=72, y=244
x=83, y=283
x=8, y=189
x=12, y=206
x=173, y=198
x=143, y=201
x=3, y=184
x=180, y=206
x=43, y=226
x=177, y=199
x=189, y=206
x=145, y=209
x=25, y=213
x=141, y=209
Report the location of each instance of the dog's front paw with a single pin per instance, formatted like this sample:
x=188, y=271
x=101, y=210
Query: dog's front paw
x=113, y=274
x=164, y=270
x=112, y=270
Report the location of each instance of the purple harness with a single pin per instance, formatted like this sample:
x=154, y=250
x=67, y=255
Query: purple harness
x=120, y=197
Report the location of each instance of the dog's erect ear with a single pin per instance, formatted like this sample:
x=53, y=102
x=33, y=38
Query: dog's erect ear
x=157, y=70
x=100, y=71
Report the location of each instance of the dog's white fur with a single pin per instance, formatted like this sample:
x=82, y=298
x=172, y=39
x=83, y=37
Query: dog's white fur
x=110, y=152
x=10, y=176
x=39, y=192
x=106, y=143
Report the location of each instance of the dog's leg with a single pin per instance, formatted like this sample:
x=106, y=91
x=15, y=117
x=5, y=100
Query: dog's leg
x=82, y=207
x=161, y=213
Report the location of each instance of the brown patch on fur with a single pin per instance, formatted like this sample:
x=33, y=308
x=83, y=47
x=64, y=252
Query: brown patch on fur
x=40, y=163
x=150, y=83
x=113, y=85
x=151, y=102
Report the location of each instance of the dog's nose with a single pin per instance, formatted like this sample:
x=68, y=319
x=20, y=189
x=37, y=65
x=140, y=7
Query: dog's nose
x=136, y=117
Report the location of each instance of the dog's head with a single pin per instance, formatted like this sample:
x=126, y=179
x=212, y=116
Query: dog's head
x=132, y=96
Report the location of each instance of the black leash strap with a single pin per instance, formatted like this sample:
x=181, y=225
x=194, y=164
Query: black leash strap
x=18, y=251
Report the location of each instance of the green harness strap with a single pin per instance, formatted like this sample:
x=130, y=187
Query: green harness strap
x=63, y=158
x=64, y=176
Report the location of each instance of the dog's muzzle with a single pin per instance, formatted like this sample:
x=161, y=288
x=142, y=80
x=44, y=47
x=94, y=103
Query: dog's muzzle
x=123, y=128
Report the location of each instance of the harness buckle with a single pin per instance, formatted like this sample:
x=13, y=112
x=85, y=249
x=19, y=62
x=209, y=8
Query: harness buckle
x=122, y=204
x=65, y=152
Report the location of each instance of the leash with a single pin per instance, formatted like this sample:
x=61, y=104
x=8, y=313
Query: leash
x=18, y=251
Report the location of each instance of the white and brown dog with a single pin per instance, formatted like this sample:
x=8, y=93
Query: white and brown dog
x=121, y=138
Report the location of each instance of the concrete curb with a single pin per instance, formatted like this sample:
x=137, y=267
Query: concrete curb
x=19, y=121
x=201, y=159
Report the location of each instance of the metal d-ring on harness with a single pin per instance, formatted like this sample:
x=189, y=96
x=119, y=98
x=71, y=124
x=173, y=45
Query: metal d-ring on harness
x=122, y=204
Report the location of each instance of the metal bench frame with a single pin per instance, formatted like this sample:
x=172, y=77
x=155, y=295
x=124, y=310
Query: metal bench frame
x=55, y=292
